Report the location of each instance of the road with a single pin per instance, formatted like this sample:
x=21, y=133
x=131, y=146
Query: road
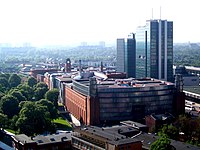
x=196, y=112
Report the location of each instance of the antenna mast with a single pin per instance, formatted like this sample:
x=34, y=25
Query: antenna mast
x=160, y=12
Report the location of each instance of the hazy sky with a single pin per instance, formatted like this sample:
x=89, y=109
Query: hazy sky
x=67, y=22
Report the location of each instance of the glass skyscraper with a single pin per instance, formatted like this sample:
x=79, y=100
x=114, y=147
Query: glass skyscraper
x=126, y=56
x=154, y=50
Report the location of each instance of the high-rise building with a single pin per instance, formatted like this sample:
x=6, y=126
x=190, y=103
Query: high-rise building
x=126, y=56
x=154, y=50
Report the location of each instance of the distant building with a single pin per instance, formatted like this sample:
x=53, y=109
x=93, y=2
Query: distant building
x=35, y=72
x=68, y=65
x=126, y=54
x=188, y=79
x=154, y=50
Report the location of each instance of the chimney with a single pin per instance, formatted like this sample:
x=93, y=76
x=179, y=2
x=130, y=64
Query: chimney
x=101, y=66
x=80, y=66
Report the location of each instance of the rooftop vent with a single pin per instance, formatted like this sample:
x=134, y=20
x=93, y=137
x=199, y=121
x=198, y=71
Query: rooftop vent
x=40, y=141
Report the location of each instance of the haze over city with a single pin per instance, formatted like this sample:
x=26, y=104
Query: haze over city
x=72, y=22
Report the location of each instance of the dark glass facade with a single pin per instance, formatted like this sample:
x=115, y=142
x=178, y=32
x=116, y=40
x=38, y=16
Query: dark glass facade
x=135, y=103
x=126, y=56
x=154, y=50
x=121, y=55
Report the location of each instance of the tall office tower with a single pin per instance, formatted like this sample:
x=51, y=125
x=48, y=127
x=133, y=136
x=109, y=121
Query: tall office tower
x=126, y=56
x=154, y=50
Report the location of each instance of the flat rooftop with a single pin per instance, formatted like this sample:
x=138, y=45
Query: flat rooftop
x=130, y=82
x=110, y=135
x=43, y=139
x=53, y=138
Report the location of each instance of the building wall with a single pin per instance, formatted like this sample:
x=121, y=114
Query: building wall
x=76, y=104
x=93, y=112
x=117, y=104
x=179, y=103
x=120, y=55
x=154, y=50
x=190, y=80
x=130, y=55
x=47, y=81
x=131, y=146
x=151, y=123
x=40, y=78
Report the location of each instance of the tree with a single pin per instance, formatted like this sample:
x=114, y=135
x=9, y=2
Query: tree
x=4, y=83
x=3, y=120
x=32, y=81
x=9, y=105
x=39, y=93
x=171, y=131
x=5, y=75
x=33, y=119
x=163, y=143
x=26, y=90
x=51, y=108
x=14, y=80
x=1, y=94
x=41, y=85
x=18, y=95
x=52, y=95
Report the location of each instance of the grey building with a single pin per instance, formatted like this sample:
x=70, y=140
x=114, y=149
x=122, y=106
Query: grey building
x=154, y=50
x=126, y=56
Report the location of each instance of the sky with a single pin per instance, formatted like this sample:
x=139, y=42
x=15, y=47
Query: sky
x=67, y=22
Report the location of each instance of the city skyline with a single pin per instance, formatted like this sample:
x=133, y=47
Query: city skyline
x=72, y=22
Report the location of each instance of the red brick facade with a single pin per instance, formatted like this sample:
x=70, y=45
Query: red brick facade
x=82, y=106
x=76, y=104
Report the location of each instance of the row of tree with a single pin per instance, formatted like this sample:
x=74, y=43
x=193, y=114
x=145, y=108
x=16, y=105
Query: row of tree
x=185, y=128
x=27, y=106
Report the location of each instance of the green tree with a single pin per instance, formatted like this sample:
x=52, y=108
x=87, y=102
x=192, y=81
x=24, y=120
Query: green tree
x=39, y=93
x=31, y=81
x=5, y=75
x=3, y=120
x=52, y=95
x=163, y=143
x=51, y=108
x=18, y=95
x=14, y=80
x=41, y=85
x=1, y=95
x=33, y=119
x=171, y=131
x=9, y=105
x=26, y=90
x=4, y=83
x=12, y=123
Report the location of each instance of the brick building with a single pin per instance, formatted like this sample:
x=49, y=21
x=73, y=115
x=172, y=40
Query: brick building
x=95, y=102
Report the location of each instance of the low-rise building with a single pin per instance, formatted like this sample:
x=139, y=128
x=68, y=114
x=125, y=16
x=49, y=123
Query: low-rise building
x=41, y=142
x=92, y=137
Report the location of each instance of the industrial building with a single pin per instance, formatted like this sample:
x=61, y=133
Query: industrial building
x=96, y=102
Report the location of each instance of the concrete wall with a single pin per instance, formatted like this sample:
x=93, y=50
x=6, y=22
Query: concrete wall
x=191, y=81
